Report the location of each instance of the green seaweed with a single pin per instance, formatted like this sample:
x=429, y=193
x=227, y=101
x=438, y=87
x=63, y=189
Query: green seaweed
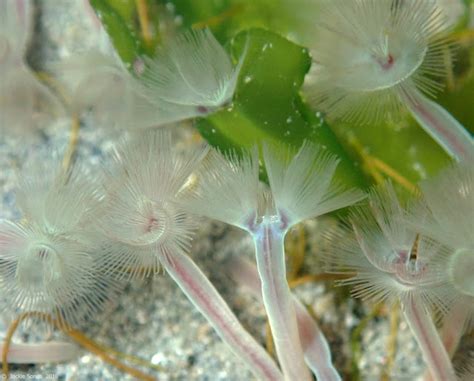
x=267, y=104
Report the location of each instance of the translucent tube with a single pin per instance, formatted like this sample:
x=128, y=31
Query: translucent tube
x=440, y=125
x=208, y=301
x=434, y=353
x=278, y=301
x=315, y=346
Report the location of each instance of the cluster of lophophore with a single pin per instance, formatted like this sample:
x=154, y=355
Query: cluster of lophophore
x=84, y=232
x=372, y=60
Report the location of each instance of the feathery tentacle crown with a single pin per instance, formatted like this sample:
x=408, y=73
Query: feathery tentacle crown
x=192, y=75
x=390, y=260
x=372, y=53
x=48, y=261
x=301, y=187
x=15, y=29
x=446, y=213
x=99, y=84
x=142, y=218
x=24, y=100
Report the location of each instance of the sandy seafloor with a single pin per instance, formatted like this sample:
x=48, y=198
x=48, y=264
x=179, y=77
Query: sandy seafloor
x=152, y=319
